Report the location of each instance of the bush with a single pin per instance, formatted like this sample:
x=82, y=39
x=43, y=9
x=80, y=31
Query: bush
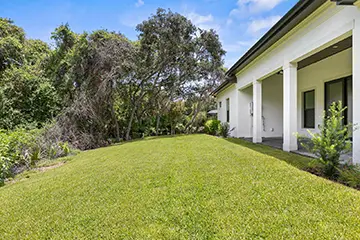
x=225, y=130
x=350, y=175
x=212, y=127
x=22, y=148
x=332, y=140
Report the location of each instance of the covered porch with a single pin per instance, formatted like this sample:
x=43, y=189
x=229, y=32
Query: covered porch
x=292, y=99
x=277, y=142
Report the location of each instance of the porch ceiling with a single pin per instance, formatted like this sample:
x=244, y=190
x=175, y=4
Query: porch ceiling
x=327, y=52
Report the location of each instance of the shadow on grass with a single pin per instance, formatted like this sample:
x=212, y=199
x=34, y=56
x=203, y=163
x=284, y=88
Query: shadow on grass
x=296, y=160
x=147, y=139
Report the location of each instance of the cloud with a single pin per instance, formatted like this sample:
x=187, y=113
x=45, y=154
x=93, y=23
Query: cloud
x=239, y=46
x=139, y=3
x=203, y=21
x=260, y=24
x=256, y=6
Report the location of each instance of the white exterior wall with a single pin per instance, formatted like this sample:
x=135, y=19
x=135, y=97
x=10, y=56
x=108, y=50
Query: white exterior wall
x=229, y=93
x=315, y=76
x=273, y=106
x=245, y=119
x=326, y=26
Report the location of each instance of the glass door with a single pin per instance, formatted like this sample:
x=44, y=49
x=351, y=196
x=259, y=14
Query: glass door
x=340, y=90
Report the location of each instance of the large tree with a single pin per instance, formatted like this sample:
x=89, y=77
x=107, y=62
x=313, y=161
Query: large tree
x=26, y=95
x=174, y=57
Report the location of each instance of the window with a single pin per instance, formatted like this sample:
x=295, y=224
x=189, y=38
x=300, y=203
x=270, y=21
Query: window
x=340, y=90
x=228, y=110
x=219, y=104
x=309, y=109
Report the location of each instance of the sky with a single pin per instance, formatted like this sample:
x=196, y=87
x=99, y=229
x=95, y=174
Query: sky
x=239, y=23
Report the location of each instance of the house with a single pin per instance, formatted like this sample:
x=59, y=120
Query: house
x=282, y=85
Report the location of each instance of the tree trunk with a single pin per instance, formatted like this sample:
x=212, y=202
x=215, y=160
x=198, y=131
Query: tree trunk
x=157, y=124
x=117, y=129
x=196, y=112
x=127, y=137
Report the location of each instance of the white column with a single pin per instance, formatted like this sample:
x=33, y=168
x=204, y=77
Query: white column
x=236, y=105
x=290, y=106
x=356, y=88
x=257, y=112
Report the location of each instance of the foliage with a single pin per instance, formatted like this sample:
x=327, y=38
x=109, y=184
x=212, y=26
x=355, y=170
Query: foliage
x=225, y=130
x=212, y=127
x=22, y=148
x=96, y=88
x=332, y=140
x=350, y=175
x=16, y=149
x=26, y=95
x=26, y=98
x=184, y=187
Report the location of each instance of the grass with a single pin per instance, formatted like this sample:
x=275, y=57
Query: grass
x=186, y=187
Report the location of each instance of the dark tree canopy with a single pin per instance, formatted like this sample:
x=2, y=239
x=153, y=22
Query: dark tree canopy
x=99, y=85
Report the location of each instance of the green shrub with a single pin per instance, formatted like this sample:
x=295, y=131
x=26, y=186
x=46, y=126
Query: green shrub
x=350, y=175
x=225, y=130
x=332, y=140
x=5, y=169
x=65, y=148
x=22, y=148
x=212, y=127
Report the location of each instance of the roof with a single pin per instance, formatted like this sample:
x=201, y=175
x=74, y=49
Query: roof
x=290, y=20
x=228, y=81
x=212, y=112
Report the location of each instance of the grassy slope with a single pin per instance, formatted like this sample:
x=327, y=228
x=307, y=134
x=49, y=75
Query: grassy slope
x=184, y=187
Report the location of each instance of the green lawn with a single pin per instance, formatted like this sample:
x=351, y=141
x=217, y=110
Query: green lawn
x=186, y=187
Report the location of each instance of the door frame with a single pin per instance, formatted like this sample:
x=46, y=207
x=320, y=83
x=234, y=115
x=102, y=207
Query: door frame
x=344, y=81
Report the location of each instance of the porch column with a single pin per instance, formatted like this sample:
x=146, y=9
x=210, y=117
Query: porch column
x=257, y=112
x=290, y=106
x=356, y=87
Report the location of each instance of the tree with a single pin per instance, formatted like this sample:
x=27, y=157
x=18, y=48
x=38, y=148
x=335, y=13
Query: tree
x=12, y=39
x=58, y=63
x=97, y=64
x=174, y=57
x=26, y=95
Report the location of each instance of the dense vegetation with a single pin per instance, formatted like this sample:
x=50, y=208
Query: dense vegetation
x=94, y=88
x=184, y=187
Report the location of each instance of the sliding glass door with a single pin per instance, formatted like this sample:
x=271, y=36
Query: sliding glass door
x=340, y=90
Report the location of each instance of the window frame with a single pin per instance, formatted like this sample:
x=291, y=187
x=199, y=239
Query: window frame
x=228, y=110
x=344, y=81
x=304, y=110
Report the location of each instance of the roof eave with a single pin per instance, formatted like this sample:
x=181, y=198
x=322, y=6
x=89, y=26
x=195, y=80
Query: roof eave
x=291, y=19
x=228, y=81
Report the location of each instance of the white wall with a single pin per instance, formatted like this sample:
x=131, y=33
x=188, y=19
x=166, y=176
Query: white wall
x=272, y=89
x=229, y=93
x=315, y=76
x=329, y=24
x=245, y=119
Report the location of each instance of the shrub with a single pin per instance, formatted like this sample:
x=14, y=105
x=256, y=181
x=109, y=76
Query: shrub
x=332, y=140
x=225, y=130
x=350, y=175
x=5, y=169
x=212, y=127
x=22, y=148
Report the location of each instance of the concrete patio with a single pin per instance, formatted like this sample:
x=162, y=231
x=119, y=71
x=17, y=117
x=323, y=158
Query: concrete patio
x=277, y=142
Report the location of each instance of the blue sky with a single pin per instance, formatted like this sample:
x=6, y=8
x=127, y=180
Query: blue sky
x=239, y=23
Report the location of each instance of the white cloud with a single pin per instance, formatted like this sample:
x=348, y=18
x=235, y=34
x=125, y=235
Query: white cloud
x=255, y=6
x=238, y=46
x=203, y=21
x=261, y=24
x=139, y=3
